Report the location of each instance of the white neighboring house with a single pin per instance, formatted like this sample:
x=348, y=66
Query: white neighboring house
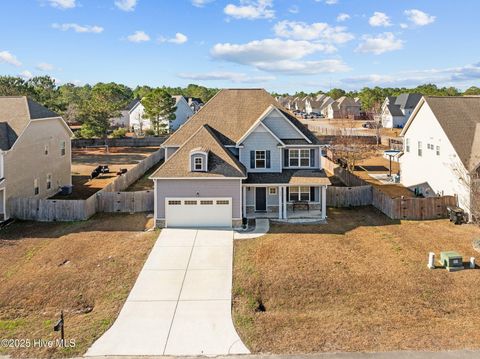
x=397, y=110
x=132, y=116
x=442, y=147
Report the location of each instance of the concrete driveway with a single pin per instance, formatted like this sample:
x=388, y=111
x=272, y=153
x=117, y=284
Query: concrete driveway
x=181, y=301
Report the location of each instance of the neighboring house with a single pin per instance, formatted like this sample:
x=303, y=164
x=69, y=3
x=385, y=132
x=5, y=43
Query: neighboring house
x=344, y=107
x=133, y=116
x=397, y=110
x=442, y=147
x=35, y=153
x=314, y=105
x=240, y=156
x=324, y=106
x=195, y=104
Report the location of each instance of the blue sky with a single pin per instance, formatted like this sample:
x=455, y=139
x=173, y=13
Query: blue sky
x=281, y=45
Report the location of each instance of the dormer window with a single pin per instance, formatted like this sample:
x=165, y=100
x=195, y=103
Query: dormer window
x=198, y=164
x=198, y=160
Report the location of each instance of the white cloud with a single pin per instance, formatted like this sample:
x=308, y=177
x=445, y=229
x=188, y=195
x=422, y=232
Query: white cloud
x=419, y=18
x=178, y=39
x=343, y=17
x=380, y=44
x=79, y=28
x=43, y=66
x=316, y=31
x=278, y=55
x=25, y=75
x=225, y=76
x=126, y=5
x=379, y=19
x=8, y=58
x=138, y=36
x=251, y=10
x=201, y=3
x=294, y=9
x=328, y=2
x=63, y=4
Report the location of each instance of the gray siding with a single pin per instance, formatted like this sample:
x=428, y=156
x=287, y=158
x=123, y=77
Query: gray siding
x=204, y=188
x=261, y=141
x=280, y=127
x=272, y=200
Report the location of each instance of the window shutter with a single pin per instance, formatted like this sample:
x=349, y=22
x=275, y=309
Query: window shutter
x=312, y=194
x=285, y=158
x=312, y=157
x=252, y=159
x=267, y=155
x=287, y=193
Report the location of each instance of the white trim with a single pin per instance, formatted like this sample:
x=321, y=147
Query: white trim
x=155, y=202
x=269, y=191
x=412, y=116
x=264, y=160
x=299, y=158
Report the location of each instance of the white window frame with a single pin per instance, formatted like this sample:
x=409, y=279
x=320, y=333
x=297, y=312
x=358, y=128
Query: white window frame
x=195, y=168
x=63, y=148
x=437, y=151
x=299, y=157
x=419, y=149
x=264, y=159
x=36, y=189
x=272, y=191
x=407, y=145
x=49, y=181
x=298, y=192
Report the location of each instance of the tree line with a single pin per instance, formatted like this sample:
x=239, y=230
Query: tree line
x=93, y=106
x=372, y=98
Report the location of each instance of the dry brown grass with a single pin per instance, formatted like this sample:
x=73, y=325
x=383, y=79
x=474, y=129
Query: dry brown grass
x=84, y=268
x=359, y=283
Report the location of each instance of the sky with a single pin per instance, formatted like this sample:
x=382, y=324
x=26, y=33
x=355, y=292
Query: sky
x=280, y=45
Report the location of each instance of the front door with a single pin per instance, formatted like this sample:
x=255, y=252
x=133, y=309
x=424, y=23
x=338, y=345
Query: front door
x=260, y=199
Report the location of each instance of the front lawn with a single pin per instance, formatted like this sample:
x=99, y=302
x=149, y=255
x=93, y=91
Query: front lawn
x=358, y=283
x=85, y=269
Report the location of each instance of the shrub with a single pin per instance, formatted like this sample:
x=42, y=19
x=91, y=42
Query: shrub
x=119, y=133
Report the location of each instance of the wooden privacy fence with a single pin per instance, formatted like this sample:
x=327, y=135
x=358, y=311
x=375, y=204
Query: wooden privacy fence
x=349, y=196
x=108, y=199
x=413, y=208
x=126, y=202
x=119, y=142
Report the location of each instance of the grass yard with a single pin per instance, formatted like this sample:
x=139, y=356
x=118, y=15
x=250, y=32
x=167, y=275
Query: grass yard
x=358, y=283
x=85, y=160
x=85, y=269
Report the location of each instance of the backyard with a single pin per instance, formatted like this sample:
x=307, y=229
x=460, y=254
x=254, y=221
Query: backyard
x=85, y=269
x=85, y=160
x=358, y=283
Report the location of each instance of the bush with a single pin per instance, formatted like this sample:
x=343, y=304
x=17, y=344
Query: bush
x=119, y=133
x=149, y=132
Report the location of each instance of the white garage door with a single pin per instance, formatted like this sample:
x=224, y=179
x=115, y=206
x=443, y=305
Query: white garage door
x=198, y=212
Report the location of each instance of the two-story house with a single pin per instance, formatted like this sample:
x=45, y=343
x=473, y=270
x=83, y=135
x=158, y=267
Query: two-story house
x=242, y=155
x=35, y=152
x=442, y=148
x=396, y=111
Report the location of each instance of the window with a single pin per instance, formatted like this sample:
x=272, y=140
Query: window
x=190, y=203
x=36, y=190
x=46, y=150
x=63, y=147
x=49, y=181
x=438, y=150
x=407, y=145
x=299, y=158
x=223, y=202
x=260, y=159
x=272, y=191
x=299, y=194
x=206, y=203
x=420, y=152
x=198, y=163
x=174, y=203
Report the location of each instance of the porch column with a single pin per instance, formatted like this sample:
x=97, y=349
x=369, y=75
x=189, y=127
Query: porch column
x=244, y=201
x=324, y=202
x=285, y=202
x=280, y=209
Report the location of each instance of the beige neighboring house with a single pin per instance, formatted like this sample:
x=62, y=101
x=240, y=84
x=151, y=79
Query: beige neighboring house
x=35, y=151
x=344, y=107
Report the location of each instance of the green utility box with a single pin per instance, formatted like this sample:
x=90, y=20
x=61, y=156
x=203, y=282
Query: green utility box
x=451, y=260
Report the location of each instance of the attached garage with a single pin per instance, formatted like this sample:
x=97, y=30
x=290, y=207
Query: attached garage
x=198, y=212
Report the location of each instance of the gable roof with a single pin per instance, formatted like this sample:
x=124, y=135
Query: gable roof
x=408, y=100
x=132, y=104
x=459, y=118
x=16, y=112
x=221, y=163
x=395, y=110
x=345, y=101
x=230, y=114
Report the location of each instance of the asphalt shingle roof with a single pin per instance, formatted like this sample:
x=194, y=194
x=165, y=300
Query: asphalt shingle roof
x=292, y=177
